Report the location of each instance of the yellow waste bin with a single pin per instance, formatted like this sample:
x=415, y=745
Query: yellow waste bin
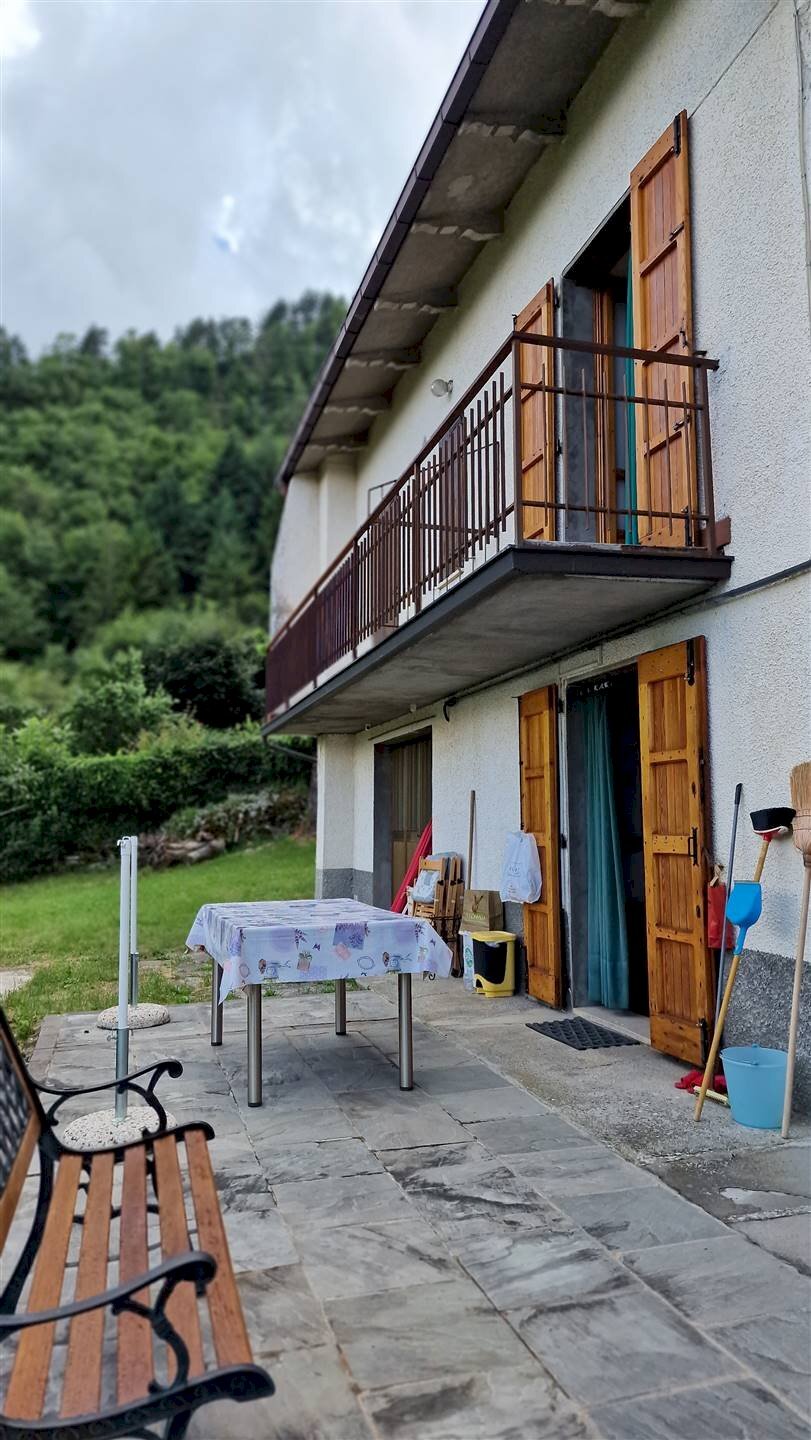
x=494, y=962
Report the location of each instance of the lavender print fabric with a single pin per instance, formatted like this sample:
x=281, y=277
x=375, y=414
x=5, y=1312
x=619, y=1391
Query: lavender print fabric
x=287, y=940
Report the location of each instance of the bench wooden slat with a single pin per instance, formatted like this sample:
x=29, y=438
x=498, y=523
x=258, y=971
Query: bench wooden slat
x=135, y=1364
x=227, y=1321
x=182, y=1308
x=81, y=1388
x=26, y=1392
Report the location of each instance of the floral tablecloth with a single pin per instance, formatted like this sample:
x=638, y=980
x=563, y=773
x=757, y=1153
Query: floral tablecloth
x=288, y=940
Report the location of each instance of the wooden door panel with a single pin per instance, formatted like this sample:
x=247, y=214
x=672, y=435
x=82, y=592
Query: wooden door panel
x=663, y=320
x=672, y=724
x=539, y=817
x=537, y=367
x=410, y=801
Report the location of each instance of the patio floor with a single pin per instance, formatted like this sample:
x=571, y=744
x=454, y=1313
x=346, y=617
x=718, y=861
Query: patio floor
x=532, y=1243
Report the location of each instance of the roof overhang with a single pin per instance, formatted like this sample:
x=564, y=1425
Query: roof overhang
x=506, y=104
x=522, y=609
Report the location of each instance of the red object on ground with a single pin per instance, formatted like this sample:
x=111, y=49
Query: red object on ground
x=423, y=848
x=695, y=1077
x=716, y=901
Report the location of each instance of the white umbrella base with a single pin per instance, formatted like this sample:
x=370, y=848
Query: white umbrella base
x=140, y=1017
x=102, y=1131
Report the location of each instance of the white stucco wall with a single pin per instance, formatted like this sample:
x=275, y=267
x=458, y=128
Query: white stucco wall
x=336, y=507
x=335, y=838
x=732, y=64
x=296, y=561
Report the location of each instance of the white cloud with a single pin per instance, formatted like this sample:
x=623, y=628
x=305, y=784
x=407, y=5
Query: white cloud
x=134, y=133
x=18, y=31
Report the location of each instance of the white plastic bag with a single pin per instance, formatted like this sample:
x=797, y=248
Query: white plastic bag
x=521, y=869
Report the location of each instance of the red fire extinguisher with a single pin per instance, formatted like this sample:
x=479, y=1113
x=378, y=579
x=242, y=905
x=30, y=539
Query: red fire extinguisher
x=716, y=904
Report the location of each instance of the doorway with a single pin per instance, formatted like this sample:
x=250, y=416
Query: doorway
x=402, y=809
x=609, y=961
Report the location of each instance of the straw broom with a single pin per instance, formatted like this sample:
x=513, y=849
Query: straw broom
x=800, y=781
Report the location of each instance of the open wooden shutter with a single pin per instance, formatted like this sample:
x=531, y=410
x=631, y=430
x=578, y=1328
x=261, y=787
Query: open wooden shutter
x=672, y=721
x=537, y=367
x=539, y=815
x=663, y=320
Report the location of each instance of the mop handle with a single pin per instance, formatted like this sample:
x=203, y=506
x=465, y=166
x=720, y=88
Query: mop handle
x=795, y=998
x=730, y=867
x=761, y=859
x=709, y=1068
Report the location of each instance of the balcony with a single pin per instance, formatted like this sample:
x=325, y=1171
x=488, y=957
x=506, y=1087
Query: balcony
x=568, y=495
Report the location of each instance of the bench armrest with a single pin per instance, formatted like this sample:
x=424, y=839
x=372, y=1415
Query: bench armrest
x=147, y=1093
x=196, y=1266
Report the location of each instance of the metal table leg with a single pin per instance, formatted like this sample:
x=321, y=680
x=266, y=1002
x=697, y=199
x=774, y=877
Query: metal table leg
x=340, y=1007
x=406, y=1039
x=254, y=1044
x=216, y=1004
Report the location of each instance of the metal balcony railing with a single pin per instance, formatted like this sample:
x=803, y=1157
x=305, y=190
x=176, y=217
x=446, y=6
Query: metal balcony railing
x=606, y=445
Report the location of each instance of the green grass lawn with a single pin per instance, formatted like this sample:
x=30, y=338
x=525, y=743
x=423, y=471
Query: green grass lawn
x=65, y=927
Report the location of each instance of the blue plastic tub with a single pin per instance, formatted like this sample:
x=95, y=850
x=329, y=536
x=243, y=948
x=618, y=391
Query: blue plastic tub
x=756, y=1083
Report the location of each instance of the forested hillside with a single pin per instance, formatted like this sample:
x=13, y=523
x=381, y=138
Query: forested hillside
x=138, y=474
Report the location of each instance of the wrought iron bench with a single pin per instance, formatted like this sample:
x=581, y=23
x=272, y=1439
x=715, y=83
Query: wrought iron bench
x=131, y=1354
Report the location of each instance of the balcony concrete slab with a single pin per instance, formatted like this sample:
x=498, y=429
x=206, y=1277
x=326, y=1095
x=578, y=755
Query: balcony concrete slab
x=568, y=596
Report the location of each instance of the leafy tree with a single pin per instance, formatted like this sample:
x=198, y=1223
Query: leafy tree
x=214, y=676
x=114, y=706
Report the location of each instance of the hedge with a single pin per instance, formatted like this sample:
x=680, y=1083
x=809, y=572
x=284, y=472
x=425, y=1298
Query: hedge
x=61, y=805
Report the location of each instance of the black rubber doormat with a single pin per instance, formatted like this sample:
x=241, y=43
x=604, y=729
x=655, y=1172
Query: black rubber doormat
x=582, y=1034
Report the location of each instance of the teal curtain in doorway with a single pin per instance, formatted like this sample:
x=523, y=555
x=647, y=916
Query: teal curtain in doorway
x=632, y=527
x=608, y=940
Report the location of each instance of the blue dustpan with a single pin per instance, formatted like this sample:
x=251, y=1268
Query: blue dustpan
x=743, y=909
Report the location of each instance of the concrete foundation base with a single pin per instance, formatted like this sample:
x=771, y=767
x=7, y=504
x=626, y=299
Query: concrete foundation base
x=102, y=1131
x=139, y=1017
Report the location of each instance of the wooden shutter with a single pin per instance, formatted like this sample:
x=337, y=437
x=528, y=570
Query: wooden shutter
x=539, y=815
x=663, y=320
x=537, y=367
x=672, y=721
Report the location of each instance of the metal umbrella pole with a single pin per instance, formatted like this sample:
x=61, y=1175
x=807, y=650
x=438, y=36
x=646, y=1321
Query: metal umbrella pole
x=133, y=839
x=141, y=1016
x=122, y=1035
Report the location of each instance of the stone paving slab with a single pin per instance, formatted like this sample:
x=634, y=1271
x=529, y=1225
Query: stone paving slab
x=505, y=1404
x=551, y=1266
x=315, y=1400
x=464, y=1200
x=632, y=1219
x=318, y=1160
x=788, y=1236
x=422, y=1332
x=520, y=1135
x=369, y=1258
x=342, y=1200
x=502, y=1103
x=579, y=1170
x=715, y=1280
x=390, y=1119
x=740, y=1410
x=621, y=1345
x=778, y=1351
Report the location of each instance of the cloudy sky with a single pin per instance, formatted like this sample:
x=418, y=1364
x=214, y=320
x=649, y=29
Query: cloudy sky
x=170, y=158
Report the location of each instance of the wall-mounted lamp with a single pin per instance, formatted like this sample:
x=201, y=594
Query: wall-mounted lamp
x=441, y=387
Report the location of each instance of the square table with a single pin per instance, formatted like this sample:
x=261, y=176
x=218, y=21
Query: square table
x=288, y=941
